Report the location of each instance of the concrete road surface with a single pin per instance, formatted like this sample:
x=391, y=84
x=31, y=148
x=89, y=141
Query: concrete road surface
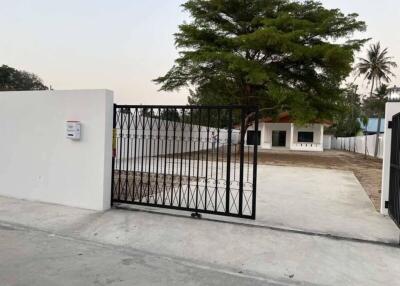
x=36, y=258
x=313, y=227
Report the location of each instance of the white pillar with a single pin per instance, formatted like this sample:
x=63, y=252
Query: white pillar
x=321, y=139
x=40, y=163
x=392, y=108
x=291, y=135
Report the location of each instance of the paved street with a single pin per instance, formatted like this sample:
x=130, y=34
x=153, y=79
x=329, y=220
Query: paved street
x=313, y=227
x=37, y=258
x=41, y=243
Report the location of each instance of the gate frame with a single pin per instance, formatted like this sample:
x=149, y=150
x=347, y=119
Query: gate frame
x=392, y=108
x=393, y=203
x=254, y=109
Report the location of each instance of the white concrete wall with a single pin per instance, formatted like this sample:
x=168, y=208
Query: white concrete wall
x=392, y=108
x=359, y=144
x=39, y=163
x=168, y=145
x=327, y=142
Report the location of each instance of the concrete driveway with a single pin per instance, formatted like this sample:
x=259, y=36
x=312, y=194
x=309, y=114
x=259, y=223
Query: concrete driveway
x=320, y=201
x=316, y=201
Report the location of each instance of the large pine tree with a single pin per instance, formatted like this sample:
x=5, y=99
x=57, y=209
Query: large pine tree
x=278, y=54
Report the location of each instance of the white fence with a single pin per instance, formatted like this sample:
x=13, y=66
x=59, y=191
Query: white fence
x=359, y=144
x=171, y=138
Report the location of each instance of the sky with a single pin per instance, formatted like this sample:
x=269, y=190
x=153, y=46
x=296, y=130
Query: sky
x=122, y=45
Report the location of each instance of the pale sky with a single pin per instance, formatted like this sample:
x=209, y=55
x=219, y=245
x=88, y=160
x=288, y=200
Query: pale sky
x=123, y=44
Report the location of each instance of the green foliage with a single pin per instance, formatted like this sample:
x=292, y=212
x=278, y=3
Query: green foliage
x=347, y=122
x=374, y=105
x=278, y=54
x=12, y=79
x=170, y=115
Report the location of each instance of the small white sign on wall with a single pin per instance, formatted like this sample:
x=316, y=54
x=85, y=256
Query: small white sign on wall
x=73, y=130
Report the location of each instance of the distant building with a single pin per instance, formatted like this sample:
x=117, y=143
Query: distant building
x=372, y=126
x=283, y=133
x=395, y=94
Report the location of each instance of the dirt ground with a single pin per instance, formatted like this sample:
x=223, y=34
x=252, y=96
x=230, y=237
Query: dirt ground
x=367, y=170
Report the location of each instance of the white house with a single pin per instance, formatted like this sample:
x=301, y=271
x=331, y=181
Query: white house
x=282, y=133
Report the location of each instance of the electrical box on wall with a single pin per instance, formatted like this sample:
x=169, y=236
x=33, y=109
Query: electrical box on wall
x=73, y=130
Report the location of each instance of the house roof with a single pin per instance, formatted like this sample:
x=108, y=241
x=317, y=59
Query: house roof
x=284, y=117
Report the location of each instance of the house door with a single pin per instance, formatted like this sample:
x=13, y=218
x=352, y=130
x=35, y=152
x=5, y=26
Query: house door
x=278, y=138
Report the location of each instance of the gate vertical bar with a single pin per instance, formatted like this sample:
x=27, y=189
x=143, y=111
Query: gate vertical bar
x=165, y=157
x=173, y=158
x=228, y=164
x=114, y=151
x=190, y=156
x=158, y=153
x=216, y=164
x=254, y=197
x=198, y=159
x=181, y=166
x=127, y=154
x=242, y=130
x=121, y=128
x=142, y=161
x=134, y=155
x=206, y=175
x=149, y=156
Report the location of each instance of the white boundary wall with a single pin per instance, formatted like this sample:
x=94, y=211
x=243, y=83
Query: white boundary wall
x=197, y=143
x=392, y=108
x=39, y=163
x=357, y=144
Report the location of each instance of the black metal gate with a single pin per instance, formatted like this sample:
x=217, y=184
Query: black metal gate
x=192, y=158
x=394, y=185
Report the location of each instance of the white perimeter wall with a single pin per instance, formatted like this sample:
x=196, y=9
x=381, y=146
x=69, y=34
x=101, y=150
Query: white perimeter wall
x=392, y=108
x=39, y=163
x=327, y=142
x=198, y=142
x=359, y=144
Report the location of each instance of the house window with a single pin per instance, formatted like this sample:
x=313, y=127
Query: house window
x=251, y=137
x=307, y=137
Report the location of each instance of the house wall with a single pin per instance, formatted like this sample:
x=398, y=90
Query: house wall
x=40, y=163
x=266, y=133
x=291, y=136
x=316, y=145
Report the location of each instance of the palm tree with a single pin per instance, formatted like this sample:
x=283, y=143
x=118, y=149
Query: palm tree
x=376, y=68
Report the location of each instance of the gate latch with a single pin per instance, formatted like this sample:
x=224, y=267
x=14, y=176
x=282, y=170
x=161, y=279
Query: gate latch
x=386, y=204
x=390, y=124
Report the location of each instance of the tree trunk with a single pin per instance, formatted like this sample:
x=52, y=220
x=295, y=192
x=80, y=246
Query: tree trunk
x=378, y=132
x=372, y=87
